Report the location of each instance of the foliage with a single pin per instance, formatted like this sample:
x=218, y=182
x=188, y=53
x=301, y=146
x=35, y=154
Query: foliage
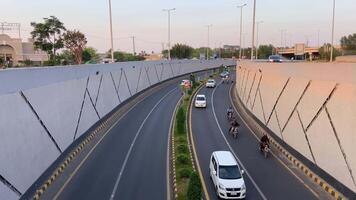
x=90, y=54
x=348, y=42
x=194, y=187
x=120, y=56
x=48, y=35
x=324, y=52
x=183, y=148
x=75, y=41
x=181, y=121
x=264, y=51
x=183, y=159
x=181, y=51
x=184, y=172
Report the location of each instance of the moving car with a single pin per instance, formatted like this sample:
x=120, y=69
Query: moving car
x=227, y=176
x=210, y=83
x=200, y=101
x=224, y=74
x=275, y=58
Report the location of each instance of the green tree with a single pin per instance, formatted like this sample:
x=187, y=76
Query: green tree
x=181, y=51
x=75, y=42
x=264, y=51
x=348, y=44
x=90, y=54
x=48, y=35
x=324, y=52
x=125, y=57
x=66, y=57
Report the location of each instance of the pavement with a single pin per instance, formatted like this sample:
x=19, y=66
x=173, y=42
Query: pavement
x=269, y=178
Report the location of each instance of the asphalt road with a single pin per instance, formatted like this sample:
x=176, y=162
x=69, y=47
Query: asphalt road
x=131, y=160
x=264, y=178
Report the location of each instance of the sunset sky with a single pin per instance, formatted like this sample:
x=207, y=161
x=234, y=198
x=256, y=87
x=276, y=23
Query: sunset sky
x=145, y=19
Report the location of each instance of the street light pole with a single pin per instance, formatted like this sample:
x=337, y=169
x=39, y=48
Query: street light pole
x=253, y=28
x=133, y=45
x=258, y=23
x=240, y=52
x=111, y=35
x=207, y=49
x=332, y=33
x=169, y=30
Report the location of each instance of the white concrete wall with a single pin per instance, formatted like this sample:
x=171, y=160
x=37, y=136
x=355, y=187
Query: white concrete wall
x=68, y=101
x=327, y=138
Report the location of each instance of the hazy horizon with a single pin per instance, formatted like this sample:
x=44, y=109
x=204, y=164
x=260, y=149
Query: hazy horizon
x=302, y=19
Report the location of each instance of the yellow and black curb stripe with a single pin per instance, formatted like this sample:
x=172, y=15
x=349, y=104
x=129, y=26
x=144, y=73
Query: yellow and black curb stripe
x=39, y=192
x=315, y=178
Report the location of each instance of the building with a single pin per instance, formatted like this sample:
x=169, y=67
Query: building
x=14, y=52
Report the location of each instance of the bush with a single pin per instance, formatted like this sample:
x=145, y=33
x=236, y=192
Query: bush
x=190, y=92
x=182, y=159
x=184, y=173
x=180, y=120
x=182, y=148
x=194, y=187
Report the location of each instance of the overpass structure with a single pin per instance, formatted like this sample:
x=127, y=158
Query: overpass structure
x=299, y=52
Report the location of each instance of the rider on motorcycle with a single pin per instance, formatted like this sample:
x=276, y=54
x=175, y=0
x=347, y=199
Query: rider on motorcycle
x=234, y=125
x=230, y=111
x=264, y=141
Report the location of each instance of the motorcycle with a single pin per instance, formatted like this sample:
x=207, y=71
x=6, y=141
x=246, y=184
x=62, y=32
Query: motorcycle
x=264, y=148
x=229, y=116
x=234, y=131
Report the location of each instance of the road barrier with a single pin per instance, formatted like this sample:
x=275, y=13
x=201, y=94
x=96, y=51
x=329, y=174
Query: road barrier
x=309, y=108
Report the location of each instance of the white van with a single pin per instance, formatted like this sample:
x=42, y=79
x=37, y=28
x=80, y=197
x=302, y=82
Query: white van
x=227, y=176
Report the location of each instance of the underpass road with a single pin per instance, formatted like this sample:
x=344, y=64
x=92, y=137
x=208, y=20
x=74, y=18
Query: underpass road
x=98, y=176
x=264, y=178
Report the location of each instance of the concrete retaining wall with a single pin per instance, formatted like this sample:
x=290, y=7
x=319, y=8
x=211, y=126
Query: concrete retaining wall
x=310, y=106
x=43, y=110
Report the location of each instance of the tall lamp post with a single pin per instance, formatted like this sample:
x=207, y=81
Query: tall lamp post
x=253, y=28
x=258, y=23
x=240, y=52
x=111, y=35
x=169, y=30
x=332, y=33
x=207, y=49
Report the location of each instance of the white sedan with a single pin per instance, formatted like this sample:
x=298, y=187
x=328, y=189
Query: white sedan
x=210, y=83
x=200, y=101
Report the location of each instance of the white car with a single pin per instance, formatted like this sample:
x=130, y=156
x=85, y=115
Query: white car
x=210, y=83
x=200, y=101
x=227, y=176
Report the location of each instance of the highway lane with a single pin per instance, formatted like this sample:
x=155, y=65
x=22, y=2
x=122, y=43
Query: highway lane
x=270, y=177
x=131, y=160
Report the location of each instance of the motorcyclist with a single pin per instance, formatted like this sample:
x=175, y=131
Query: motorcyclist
x=234, y=125
x=264, y=141
x=230, y=111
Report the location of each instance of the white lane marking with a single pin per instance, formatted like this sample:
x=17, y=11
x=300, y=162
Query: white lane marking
x=133, y=143
x=274, y=155
x=232, y=151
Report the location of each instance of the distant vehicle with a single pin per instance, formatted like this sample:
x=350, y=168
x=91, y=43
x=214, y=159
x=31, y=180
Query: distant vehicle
x=200, y=101
x=224, y=74
x=227, y=176
x=210, y=83
x=275, y=58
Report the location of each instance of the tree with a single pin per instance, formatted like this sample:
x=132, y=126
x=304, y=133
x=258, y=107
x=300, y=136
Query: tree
x=75, y=41
x=120, y=56
x=90, y=54
x=48, y=35
x=181, y=51
x=348, y=44
x=264, y=51
x=324, y=52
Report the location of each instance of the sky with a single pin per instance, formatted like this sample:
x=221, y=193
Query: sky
x=301, y=21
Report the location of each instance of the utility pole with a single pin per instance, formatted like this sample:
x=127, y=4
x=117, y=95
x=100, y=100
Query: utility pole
x=318, y=38
x=169, y=30
x=240, y=52
x=332, y=33
x=133, y=45
x=207, y=49
x=253, y=28
x=257, y=45
x=111, y=34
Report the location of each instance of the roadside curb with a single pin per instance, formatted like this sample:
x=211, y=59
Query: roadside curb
x=307, y=171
